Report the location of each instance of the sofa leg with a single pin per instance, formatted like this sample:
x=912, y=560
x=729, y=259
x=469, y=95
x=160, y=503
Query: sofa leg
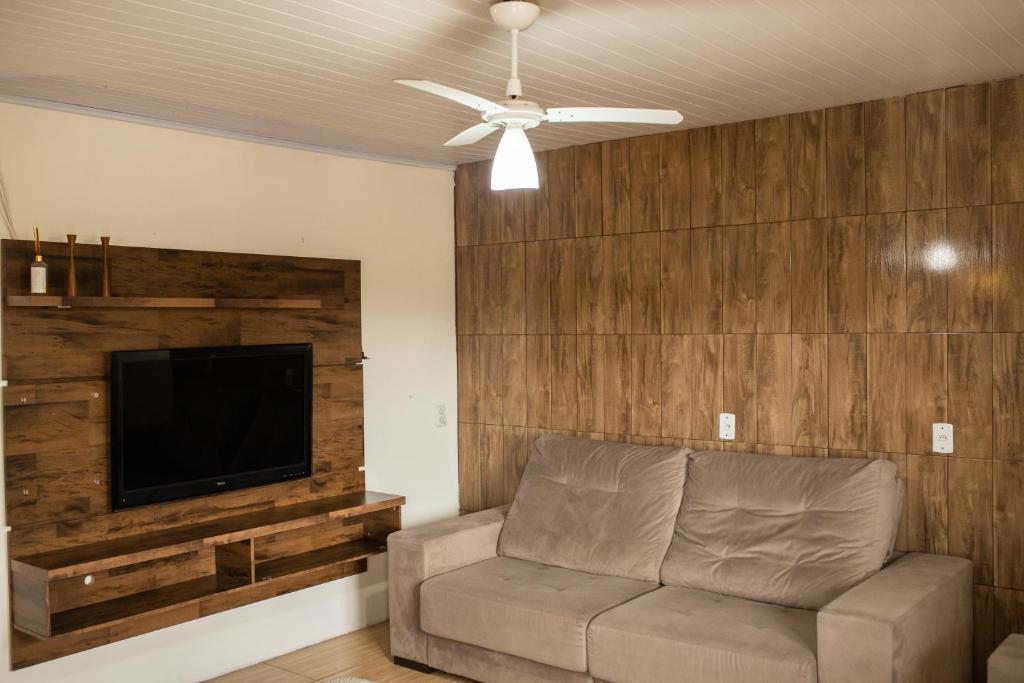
x=414, y=665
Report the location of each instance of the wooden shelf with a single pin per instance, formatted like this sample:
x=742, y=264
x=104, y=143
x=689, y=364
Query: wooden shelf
x=365, y=518
x=343, y=552
x=47, y=301
x=87, y=559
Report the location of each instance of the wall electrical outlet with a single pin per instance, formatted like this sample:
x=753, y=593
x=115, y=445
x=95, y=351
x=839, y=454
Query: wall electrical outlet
x=440, y=416
x=942, y=437
x=726, y=426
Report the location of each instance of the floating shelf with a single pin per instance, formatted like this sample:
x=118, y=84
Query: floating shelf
x=47, y=301
x=237, y=575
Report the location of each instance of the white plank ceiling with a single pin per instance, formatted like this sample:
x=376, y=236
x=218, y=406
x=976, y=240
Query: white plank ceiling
x=318, y=72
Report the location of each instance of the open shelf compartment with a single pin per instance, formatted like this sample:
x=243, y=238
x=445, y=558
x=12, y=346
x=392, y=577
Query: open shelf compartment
x=231, y=561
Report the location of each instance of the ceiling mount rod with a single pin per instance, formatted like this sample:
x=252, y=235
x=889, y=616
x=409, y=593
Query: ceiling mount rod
x=514, y=16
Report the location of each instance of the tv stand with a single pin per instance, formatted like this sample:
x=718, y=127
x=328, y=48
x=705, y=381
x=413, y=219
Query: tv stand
x=239, y=573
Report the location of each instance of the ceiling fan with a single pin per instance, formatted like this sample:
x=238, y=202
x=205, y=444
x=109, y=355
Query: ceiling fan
x=514, y=164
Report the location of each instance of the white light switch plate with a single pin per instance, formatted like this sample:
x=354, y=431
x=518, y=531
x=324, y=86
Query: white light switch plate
x=942, y=437
x=726, y=426
x=440, y=415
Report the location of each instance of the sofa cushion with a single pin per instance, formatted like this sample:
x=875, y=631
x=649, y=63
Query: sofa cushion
x=683, y=634
x=522, y=608
x=596, y=506
x=791, y=531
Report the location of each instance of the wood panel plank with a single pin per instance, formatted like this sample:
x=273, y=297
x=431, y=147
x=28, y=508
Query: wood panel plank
x=926, y=389
x=887, y=405
x=927, y=504
x=1008, y=609
x=1008, y=396
x=970, y=515
x=603, y=284
x=1008, y=140
x=885, y=154
x=984, y=624
x=844, y=164
x=809, y=258
x=492, y=379
x=561, y=193
x=706, y=280
x=1008, y=275
x=772, y=166
x=538, y=381
x=603, y=384
x=563, y=287
x=775, y=399
x=693, y=385
x=969, y=383
x=467, y=228
x=739, y=295
x=968, y=145
x=615, y=190
x=774, y=277
x=645, y=378
x=645, y=283
x=846, y=269
x=514, y=382
x=810, y=390
x=807, y=170
x=644, y=183
x=513, y=288
x=886, y=253
x=676, y=285
x=675, y=180
x=589, y=186
x=512, y=207
x=928, y=260
x=705, y=176
x=739, y=384
x=469, y=377
x=847, y=391
x=491, y=288
x=488, y=206
x=926, y=150
x=467, y=290
x=969, y=279
x=469, y=467
x=1008, y=519
x=738, y=168
x=538, y=287
x=492, y=466
x=563, y=381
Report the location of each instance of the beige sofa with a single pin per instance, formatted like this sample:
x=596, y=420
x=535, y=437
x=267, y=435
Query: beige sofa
x=638, y=564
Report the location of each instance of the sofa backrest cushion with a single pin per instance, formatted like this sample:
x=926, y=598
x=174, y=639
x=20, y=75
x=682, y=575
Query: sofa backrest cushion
x=600, y=507
x=790, y=531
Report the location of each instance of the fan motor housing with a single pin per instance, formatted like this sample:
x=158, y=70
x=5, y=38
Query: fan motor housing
x=514, y=15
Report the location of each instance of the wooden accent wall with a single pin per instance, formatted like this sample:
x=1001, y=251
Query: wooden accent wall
x=56, y=423
x=838, y=279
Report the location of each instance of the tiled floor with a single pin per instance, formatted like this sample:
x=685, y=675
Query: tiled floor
x=363, y=654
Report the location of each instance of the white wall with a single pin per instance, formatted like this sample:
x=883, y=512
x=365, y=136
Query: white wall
x=156, y=187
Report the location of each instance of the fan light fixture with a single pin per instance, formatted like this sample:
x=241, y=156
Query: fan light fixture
x=514, y=165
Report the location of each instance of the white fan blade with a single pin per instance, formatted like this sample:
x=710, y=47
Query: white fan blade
x=612, y=115
x=472, y=134
x=478, y=103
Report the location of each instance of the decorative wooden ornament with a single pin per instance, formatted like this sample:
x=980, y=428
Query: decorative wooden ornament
x=72, y=275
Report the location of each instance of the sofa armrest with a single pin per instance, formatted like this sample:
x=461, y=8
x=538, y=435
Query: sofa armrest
x=415, y=555
x=910, y=622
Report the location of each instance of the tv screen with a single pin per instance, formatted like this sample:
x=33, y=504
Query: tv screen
x=185, y=422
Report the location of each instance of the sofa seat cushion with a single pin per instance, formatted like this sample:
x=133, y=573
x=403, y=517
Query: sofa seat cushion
x=684, y=634
x=522, y=608
x=596, y=506
x=790, y=531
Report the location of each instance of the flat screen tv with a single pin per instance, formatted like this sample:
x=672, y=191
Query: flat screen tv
x=187, y=422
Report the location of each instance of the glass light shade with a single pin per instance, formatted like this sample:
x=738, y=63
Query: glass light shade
x=514, y=166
